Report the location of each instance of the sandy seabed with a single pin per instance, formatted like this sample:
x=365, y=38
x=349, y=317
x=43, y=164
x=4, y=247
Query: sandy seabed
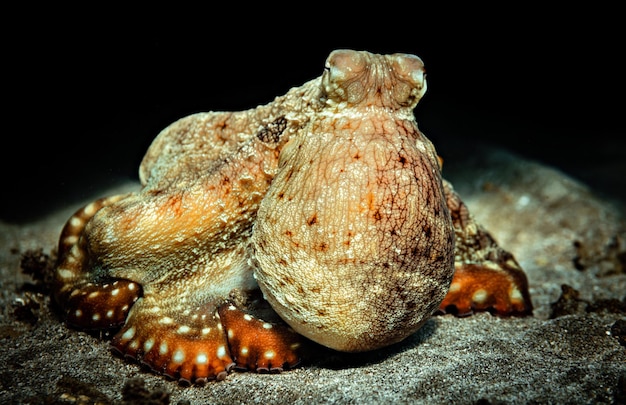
x=570, y=241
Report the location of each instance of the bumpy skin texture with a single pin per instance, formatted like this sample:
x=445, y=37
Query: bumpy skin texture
x=329, y=199
x=356, y=219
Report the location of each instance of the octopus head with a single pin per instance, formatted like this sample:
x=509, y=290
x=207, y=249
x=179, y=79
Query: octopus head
x=353, y=78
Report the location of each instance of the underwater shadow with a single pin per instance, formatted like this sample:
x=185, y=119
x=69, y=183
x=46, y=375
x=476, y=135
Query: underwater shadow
x=323, y=357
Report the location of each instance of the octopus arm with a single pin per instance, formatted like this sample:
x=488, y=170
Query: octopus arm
x=486, y=277
x=204, y=342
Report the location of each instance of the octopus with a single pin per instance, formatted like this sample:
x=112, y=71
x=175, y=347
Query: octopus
x=319, y=218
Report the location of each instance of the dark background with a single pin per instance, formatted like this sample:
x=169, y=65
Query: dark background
x=86, y=93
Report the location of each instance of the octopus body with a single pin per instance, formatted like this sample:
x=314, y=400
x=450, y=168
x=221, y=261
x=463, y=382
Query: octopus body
x=329, y=200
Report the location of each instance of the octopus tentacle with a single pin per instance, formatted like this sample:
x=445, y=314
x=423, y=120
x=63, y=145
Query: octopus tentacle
x=75, y=226
x=197, y=345
x=487, y=277
x=259, y=345
x=186, y=345
x=77, y=290
x=487, y=286
x=102, y=306
x=181, y=338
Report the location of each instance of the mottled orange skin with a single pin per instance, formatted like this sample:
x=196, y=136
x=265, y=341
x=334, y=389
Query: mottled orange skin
x=332, y=181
